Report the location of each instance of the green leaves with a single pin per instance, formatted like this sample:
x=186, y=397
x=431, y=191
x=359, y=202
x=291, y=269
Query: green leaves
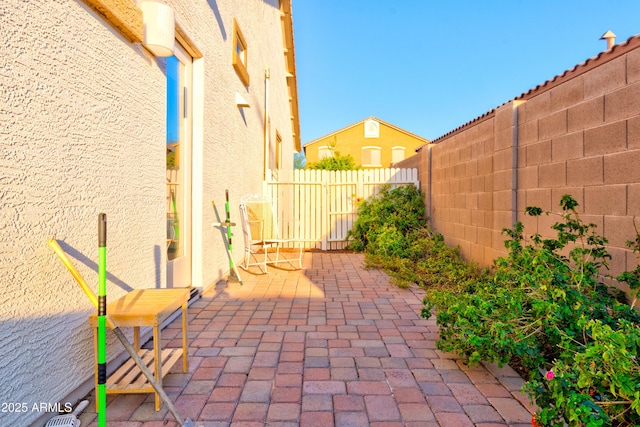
x=392, y=229
x=533, y=211
x=543, y=309
x=392, y=223
x=632, y=278
x=337, y=162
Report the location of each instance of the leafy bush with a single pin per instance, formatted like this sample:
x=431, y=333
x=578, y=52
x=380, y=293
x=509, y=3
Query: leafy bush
x=389, y=221
x=596, y=385
x=337, y=162
x=392, y=229
x=545, y=311
x=541, y=308
x=433, y=264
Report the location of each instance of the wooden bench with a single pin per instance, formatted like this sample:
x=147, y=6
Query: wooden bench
x=145, y=307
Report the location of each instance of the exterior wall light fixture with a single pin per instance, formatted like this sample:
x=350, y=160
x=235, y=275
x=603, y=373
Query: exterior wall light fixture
x=159, y=23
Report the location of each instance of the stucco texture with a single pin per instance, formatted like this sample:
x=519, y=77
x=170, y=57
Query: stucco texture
x=82, y=125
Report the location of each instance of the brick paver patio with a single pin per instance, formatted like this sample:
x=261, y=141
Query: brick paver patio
x=330, y=345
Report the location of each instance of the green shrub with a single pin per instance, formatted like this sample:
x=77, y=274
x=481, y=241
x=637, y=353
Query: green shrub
x=541, y=308
x=432, y=264
x=389, y=221
x=392, y=229
x=337, y=162
x=545, y=311
x=596, y=385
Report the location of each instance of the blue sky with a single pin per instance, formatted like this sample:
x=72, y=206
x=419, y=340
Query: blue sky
x=431, y=66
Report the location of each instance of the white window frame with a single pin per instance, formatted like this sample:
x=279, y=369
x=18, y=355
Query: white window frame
x=397, y=149
x=371, y=149
x=325, y=151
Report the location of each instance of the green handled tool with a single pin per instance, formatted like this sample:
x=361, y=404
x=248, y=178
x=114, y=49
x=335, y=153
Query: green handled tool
x=228, y=223
x=228, y=241
x=101, y=393
x=175, y=224
x=119, y=334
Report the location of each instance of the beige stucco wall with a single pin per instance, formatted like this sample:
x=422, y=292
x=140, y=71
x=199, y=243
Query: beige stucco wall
x=82, y=130
x=233, y=149
x=351, y=140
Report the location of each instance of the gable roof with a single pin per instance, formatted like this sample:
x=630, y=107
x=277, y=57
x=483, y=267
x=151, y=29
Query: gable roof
x=601, y=58
x=425, y=140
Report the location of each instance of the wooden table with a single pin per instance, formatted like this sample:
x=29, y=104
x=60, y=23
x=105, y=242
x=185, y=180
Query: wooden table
x=145, y=307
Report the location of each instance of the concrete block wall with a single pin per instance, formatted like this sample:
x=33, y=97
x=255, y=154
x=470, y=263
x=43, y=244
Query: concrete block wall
x=461, y=192
x=577, y=134
x=579, y=140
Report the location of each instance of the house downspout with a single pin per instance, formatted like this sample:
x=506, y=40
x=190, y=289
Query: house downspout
x=267, y=75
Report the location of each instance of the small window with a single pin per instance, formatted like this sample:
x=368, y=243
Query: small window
x=324, y=151
x=240, y=54
x=397, y=154
x=371, y=156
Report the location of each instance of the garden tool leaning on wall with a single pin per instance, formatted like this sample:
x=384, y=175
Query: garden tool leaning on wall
x=227, y=242
x=116, y=330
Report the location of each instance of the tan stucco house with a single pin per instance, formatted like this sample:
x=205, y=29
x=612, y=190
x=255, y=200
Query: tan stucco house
x=94, y=120
x=372, y=142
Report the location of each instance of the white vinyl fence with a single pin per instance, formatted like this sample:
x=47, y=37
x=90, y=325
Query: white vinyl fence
x=319, y=207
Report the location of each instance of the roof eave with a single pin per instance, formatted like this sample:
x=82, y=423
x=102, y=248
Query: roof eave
x=292, y=80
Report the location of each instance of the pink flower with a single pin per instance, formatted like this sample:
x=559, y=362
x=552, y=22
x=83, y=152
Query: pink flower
x=550, y=375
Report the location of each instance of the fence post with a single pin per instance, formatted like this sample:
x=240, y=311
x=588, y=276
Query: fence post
x=324, y=211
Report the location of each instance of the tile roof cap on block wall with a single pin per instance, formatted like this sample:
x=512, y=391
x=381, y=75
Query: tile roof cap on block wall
x=601, y=58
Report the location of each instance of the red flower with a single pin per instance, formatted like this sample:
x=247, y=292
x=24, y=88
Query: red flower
x=534, y=421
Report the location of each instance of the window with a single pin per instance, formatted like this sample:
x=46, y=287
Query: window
x=324, y=151
x=397, y=154
x=371, y=156
x=240, y=54
x=179, y=166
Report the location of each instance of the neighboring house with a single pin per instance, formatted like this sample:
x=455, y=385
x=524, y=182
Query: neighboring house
x=372, y=143
x=93, y=121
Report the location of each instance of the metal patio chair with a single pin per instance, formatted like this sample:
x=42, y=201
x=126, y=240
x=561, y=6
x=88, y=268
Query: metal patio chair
x=261, y=233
